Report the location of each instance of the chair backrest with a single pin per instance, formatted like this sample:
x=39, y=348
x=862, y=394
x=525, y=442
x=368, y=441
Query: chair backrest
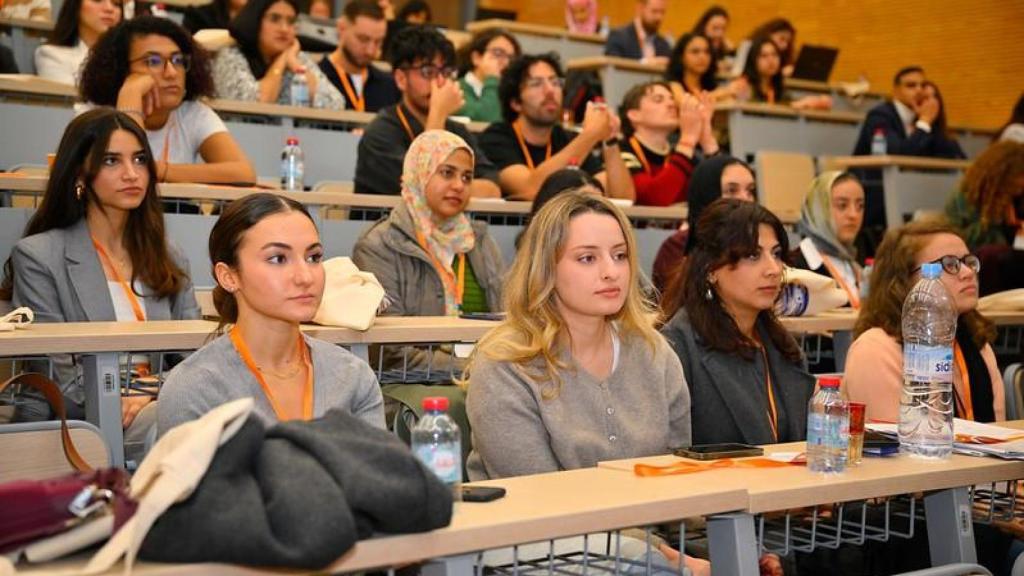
x=1013, y=378
x=205, y=300
x=335, y=187
x=782, y=181
x=33, y=451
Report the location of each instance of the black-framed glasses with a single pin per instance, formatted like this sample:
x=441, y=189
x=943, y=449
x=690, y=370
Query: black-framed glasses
x=158, y=62
x=952, y=264
x=429, y=71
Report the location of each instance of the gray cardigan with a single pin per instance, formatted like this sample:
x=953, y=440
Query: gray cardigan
x=215, y=374
x=641, y=409
x=390, y=251
x=729, y=400
x=59, y=276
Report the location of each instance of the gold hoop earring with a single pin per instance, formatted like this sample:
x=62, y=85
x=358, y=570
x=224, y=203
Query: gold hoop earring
x=79, y=189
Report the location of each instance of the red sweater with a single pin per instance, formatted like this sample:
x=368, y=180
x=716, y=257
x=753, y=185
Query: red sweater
x=668, y=179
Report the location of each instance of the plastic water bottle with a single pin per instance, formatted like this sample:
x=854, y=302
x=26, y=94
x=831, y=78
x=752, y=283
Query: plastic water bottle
x=298, y=90
x=437, y=442
x=828, y=428
x=879, y=147
x=926, y=402
x=865, y=278
x=605, y=27
x=293, y=166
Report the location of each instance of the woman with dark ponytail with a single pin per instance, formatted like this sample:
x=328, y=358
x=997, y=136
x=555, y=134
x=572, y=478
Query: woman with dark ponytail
x=266, y=256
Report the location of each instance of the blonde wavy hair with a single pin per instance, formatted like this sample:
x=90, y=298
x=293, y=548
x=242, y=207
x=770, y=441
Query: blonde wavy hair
x=534, y=335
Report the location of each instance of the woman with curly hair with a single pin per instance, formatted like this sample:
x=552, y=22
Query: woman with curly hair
x=986, y=208
x=874, y=364
x=783, y=34
x=79, y=25
x=150, y=69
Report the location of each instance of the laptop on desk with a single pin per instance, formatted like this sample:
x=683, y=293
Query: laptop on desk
x=815, y=62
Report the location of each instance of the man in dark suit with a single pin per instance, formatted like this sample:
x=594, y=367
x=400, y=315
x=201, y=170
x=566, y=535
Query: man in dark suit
x=639, y=39
x=906, y=121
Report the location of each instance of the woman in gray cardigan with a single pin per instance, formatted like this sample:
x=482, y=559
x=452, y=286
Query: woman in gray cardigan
x=430, y=258
x=95, y=250
x=747, y=377
x=267, y=261
x=576, y=373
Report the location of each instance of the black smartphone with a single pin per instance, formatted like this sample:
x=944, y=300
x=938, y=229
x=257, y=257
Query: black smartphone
x=496, y=316
x=481, y=493
x=716, y=451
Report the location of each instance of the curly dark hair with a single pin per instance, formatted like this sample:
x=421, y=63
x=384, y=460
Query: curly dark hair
x=675, y=72
x=754, y=77
x=420, y=44
x=771, y=27
x=515, y=74
x=478, y=45
x=107, y=66
x=728, y=232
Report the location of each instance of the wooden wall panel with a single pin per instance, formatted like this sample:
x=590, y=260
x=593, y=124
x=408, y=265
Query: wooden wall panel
x=972, y=50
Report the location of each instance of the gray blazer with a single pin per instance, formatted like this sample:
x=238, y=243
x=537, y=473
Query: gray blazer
x=727, y=393
x=59, y=276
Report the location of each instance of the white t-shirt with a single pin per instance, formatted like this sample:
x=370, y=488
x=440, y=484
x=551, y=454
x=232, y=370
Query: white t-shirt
x=123, y=311
x=185, y=131
x=61, y=63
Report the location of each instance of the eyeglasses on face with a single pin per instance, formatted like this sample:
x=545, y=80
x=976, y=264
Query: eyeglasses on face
x=429, y=71
x=951, y=264
x=553, y=81
x=158, y=62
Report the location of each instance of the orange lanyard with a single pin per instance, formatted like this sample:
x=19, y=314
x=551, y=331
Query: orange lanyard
x=136, y=307
x=522, y=145
x=454, y=286
x=307, y=393
x=773, y=413
x=966, y=405
x=405, y=123
x=639, y=151
x=358, y=101
x=834, y=271
x=693, y=467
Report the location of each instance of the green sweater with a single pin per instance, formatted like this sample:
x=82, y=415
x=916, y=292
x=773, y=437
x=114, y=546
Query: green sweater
x=483, y=108
x=964, y=216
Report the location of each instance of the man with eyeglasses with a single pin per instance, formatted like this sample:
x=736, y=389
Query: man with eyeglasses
x=531, y=144
x=361, y=30
x=421, y=61
x=639, y=40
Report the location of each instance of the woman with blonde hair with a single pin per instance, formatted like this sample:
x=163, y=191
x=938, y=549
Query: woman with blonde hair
x=874, y=364
x=576, y=373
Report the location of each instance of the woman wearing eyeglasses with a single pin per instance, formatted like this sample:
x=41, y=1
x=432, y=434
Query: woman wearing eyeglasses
x=487, y=55
x=150, y=69
x=261, y=66
x=874, y=364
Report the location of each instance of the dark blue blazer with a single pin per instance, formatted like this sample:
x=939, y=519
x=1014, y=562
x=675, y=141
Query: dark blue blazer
x=920, y=143
x=624, y=43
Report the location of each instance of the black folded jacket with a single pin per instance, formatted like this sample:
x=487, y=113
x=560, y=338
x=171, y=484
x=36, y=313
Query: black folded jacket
x=300, y=495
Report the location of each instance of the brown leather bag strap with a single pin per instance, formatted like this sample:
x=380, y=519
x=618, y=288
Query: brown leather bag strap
x=56, y=399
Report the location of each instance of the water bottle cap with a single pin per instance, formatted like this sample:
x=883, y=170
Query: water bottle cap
x=869, y=261
x=292, y=141
x=435, y=403
x=829, y=382
x=931, y=270
x=879, y=131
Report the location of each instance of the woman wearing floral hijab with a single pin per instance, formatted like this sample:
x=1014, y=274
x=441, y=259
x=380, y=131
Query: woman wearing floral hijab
x=430, y=258
x=830, y=220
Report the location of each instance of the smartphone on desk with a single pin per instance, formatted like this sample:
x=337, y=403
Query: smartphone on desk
x=495, y=316
x=481, y=493
x=718, y=451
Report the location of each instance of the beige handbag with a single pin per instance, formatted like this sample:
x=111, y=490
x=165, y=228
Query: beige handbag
x=806, y=293
x=351, y=298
